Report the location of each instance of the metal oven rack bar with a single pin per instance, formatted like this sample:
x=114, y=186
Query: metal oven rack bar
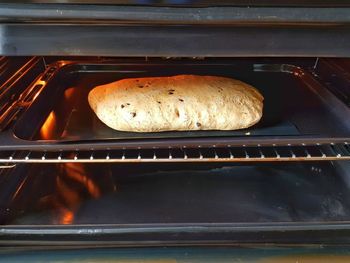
x=318, y=152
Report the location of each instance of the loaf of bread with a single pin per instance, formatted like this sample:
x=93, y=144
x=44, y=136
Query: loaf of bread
x=177, y=103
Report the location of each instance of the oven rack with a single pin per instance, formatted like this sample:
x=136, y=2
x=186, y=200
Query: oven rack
x=318, y=152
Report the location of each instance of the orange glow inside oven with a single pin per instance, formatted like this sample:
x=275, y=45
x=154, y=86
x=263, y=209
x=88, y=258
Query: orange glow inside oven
x=49, y=126
x=70, y=195
x=68, y=93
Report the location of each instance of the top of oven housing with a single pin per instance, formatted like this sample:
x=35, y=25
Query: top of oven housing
x=176, y=28
x=194, y=3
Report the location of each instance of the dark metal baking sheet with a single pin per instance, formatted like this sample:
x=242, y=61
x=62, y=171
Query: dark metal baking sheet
x=295, y=103
x=77, y=128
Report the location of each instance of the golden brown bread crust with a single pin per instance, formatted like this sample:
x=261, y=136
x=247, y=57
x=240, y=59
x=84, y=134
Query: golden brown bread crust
x=183, y=102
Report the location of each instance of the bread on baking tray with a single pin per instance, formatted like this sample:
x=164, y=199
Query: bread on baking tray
x=177, y=103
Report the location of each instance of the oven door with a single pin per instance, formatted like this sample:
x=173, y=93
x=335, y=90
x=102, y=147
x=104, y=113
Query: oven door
x=63, y=184
x=69, y=194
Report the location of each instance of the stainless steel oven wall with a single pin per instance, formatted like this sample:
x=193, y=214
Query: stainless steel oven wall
x=99, y=30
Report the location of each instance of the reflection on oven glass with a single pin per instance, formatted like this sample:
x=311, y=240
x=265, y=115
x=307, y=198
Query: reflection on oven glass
x=49, y=126
x=68, y=93
x=54, y=124
x=73, y=185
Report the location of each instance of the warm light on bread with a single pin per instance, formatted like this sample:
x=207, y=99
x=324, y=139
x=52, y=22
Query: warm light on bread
x=181, y=103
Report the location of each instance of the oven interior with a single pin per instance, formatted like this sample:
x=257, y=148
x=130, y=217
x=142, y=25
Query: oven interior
x=67, y=177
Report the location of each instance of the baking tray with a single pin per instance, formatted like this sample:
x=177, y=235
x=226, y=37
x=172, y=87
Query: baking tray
x=295, y=104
